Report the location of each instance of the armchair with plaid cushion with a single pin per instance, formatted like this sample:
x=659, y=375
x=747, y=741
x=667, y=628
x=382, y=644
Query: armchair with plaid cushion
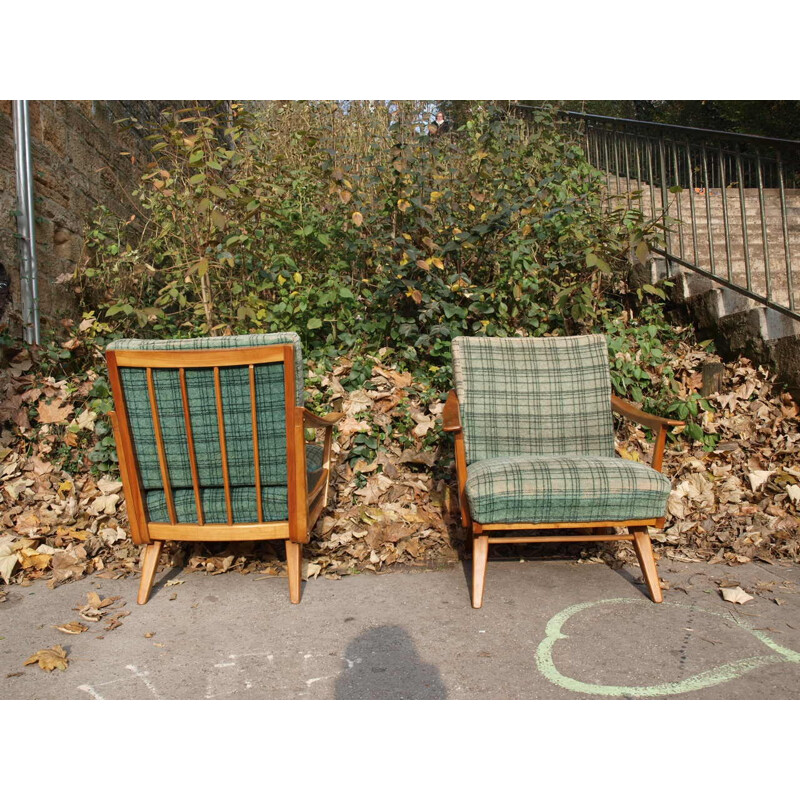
x=535, y=448
x=211, y=441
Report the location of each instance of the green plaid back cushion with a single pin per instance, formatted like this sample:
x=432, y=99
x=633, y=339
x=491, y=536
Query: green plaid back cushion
x=274, y=502
x=237, y=417
x=534, y=396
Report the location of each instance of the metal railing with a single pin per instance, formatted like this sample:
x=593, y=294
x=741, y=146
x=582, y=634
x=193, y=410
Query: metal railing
x=731, y=202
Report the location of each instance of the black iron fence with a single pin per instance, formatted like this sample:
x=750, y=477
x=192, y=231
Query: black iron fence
x=731, y=202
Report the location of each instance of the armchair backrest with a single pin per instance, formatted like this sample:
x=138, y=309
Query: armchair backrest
x=208, y=414
x=534, y=396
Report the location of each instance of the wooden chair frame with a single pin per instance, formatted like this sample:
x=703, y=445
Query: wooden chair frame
x=481, y=533
x=305, y=505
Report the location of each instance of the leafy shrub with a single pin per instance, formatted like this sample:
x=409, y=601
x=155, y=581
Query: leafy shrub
x=353, y=227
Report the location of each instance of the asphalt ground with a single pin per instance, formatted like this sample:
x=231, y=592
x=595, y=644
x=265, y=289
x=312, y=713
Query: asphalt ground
x=548, y=629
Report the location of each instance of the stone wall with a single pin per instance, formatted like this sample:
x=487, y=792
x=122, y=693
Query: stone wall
x=81, y=158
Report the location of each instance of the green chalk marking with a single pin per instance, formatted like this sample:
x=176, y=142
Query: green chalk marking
x=703, y=680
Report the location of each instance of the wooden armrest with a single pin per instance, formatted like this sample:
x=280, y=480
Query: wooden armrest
x=328, y=421
x=451, y=415
x=642, y=417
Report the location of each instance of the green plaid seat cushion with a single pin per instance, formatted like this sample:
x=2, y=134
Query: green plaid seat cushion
x=534, y=396
x=564, y=488
x=243, y=499
x=235, y=390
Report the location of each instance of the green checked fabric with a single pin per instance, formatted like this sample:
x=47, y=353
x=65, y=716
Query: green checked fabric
x=243, y=499
x=237, y=419
x=534, y=396
x=222, y=342
x=564, y=489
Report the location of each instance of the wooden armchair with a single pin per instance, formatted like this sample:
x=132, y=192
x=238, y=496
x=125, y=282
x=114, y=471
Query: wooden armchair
x=211, y=441
x=534, y=446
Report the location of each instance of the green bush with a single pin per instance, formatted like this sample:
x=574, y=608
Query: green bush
x=353, y=227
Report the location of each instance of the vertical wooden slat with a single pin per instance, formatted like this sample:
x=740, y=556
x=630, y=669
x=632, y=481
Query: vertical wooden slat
x=223, y=446
x=162, y=455
x=295, y=454
x=198, y=500
x=326, y=463
x=658, y=448
x=256, y=457
x=129, y=469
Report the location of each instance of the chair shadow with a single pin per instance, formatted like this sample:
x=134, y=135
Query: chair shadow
x=160, y=583
x=544, y=552
x=383, y=664
x=633, y=581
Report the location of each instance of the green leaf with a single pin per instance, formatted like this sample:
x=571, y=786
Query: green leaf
x=314, y=323
x=654, y=290
x=695, y=431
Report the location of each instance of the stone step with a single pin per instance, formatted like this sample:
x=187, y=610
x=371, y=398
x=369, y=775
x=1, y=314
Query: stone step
x=691, y=285
x=791, y=195
x=752, y=211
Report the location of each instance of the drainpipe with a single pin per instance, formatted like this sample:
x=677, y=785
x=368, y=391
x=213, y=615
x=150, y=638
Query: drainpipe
x=26, y=223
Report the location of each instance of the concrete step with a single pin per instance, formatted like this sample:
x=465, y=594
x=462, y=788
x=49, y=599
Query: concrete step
x=752, y=211
x=770, y=194
x=692, y=284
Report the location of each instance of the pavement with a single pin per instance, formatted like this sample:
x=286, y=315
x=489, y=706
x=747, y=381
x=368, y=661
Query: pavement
x=548, y=630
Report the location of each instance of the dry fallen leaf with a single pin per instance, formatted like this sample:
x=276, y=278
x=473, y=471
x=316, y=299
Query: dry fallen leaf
x=54, y=412
x=8, y=562
x=93, y=610
x=72, y=627
x=735, y=594
x=94, y=600
x=759, y=477
x=52, y=658
x=116, y=620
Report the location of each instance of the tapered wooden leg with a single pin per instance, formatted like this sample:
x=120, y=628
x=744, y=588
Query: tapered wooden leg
x=152, y=552
x=480, y=555
x=294, y=562
x=644, y=552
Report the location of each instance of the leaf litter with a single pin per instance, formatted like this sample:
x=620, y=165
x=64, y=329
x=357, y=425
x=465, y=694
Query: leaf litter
x=393, y=496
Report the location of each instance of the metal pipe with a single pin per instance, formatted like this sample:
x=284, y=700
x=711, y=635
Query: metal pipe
x=662, y=168
x=743, y=210
x=709, y=221
x=723, y=187
x=763, y=210
x=786, y=247
x=678, y=197
x=627, y=172
x=26, y=223
x=650, y=177
x=637, y=151
x=692, y=209
x=606, y=169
